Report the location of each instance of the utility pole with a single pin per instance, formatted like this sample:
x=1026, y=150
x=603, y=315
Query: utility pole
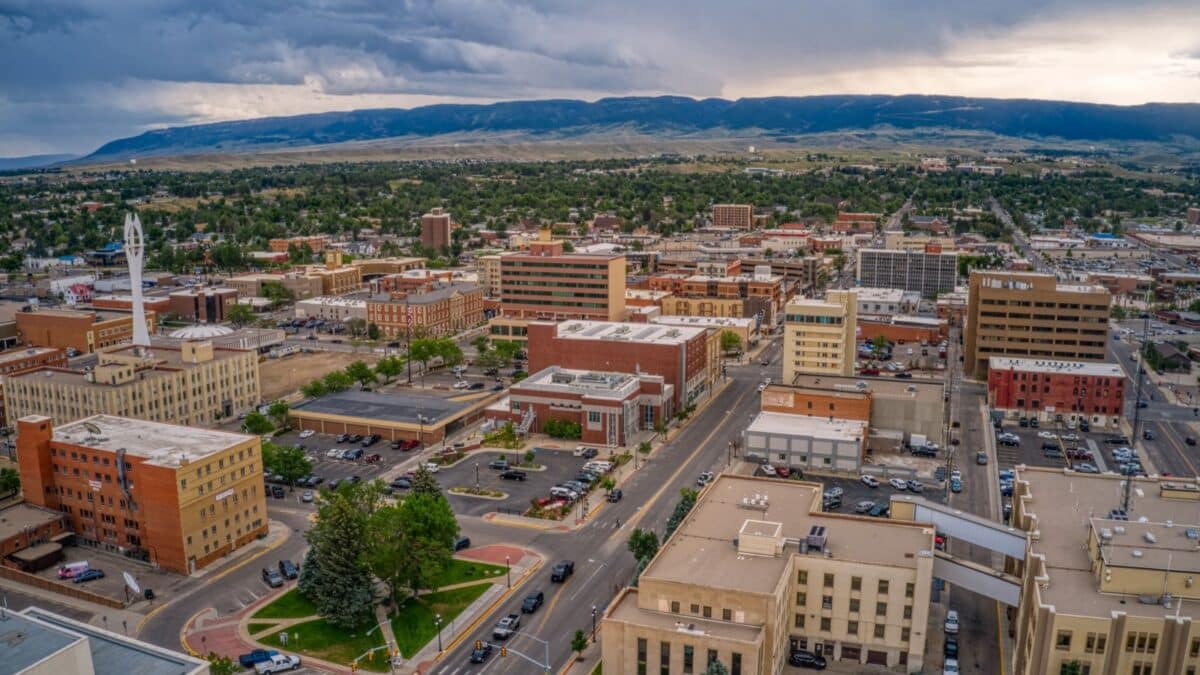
x=408, y=335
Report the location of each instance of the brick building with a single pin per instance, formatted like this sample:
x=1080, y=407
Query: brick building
x=206, y=305
x=547, y=283
x=23, y=526
x=435, y=229
x=855, y=222
x=300, y=285
x=447, y=307
x=124, y=303
x=610, y=408
x=741, y=295
x=682, y=355
x=20, y=361
x=81, y=330
x=410, y=281
x=179, y=497
x=736, y=216
x=316, y=243
x=1047, y=389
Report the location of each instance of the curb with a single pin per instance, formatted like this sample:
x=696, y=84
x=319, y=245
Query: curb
x=183, y=633
x=449, y=647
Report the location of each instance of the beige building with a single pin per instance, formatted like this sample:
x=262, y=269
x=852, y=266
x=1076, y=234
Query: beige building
x=819, y=336
x=738, y=216
x=374, y=267
x=756, y=570
x=192, y=384
x=1117, y=595
x=301, y=286
x=489, y=275
x=1031, y=315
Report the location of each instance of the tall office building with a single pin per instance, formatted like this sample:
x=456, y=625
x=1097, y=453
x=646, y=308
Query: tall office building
x=819, y=336
x=1031, y=315
x=435, y=229
x=928, y=272
x=737, y=216
x=547, y=283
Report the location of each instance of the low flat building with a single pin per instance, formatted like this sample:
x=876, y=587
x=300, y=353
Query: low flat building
x=83, y=331
x=1070, y=391
x=394, y=416
x=805, y=442
x=903, y=328
x=747, y=330
x=875, y=303
x=24, y=526
x=912, y=406
x=376, y=267
x=1115, y=593
x=300, y=286
x=124, y=303
x=178, y=497
x=331, y=308
x=194, y=384
x=46, y=643
x=756, y=570
x=611, y=409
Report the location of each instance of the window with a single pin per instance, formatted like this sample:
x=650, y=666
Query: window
x=828, y=581
x=1142, y=668
x=641, y=656
x=908, y=589
x=695, y=608
x=852, y=627
x=802, y=577
x=853, y=604
x=1095, y=643
x=735, y=664
x=593, y=417
x=880, y=609
x=825, y=623
x=664, y=658
x=1063, y=640
x=801, y=598
x=712, y=656
x=674, y=606
x=879, y=630
x=707, y=612
x=689, y=657
x=1151, y=644
x=826, y=602
x=856, y=583
x=799, y=621
x=908, y=611
x=904, y=634
x=1195, y=650
x=883, y=585
x=727, y=615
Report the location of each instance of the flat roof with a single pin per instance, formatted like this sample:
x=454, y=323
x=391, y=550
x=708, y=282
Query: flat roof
x=707, y=321
x=390, y=407
x=16, y=518
x=873, y=294
x=163, y=361
x=169, y=445
x=111, y=652
x=627, y=332
x=334, y=301
x=887, y=387
x=18, y=354
x=702, y=551
x=31, y=641
x=822, y=428
x=1053, y=366
x=626, y=610
x=580, y=382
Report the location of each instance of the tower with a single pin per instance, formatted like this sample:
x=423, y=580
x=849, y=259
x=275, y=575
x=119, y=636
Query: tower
x=134, y=253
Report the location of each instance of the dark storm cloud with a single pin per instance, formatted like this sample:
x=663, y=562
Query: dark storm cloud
x=67, y=63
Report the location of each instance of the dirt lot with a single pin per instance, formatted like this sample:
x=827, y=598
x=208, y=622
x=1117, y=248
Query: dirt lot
x=280, y=377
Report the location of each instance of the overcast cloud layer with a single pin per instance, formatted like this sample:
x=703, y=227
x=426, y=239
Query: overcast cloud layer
x=77, y=73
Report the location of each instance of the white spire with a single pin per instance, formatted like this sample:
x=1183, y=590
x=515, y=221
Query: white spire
x=134, y=254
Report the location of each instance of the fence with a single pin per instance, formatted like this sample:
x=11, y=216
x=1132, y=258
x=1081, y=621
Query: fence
x=69, y=590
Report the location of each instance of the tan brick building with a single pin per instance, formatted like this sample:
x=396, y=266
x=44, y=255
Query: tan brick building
x=317, y=243
x=1031, y=315
x=819, y=335
x=546, y=283
x=179, y=497
x=17, y=361
x=435, y=229
x=336, y=278
x=301, y=286
x=756, y=570
x=84, y=331
x=489, y=274
x=738, y=216
x=445, y=308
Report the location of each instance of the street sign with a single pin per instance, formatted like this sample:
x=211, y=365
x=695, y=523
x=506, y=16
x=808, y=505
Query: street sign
x=131, y=582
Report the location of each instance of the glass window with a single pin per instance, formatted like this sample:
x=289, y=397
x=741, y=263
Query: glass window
x=664, y=659
x=689, y=656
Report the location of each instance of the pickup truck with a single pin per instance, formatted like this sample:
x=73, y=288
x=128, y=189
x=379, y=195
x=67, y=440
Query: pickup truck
x=277, y=664
x=255, y=657
x=506, y=627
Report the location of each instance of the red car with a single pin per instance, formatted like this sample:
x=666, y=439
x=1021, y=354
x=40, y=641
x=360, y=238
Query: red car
x=782, y=471
x=869, y=371
x=372, y=458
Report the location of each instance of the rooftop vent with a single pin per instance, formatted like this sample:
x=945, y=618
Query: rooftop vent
x=816, y=538
x=1105, y=534
x=1149, y=537
x=1137, y=553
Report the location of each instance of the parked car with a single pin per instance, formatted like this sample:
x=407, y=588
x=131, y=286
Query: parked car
x=277, y=664
x=955, y=485
x=562, y=570
x=353, y=454
x=880, y=511
x=288, y=569
x=88, y=575
x=476, y=386
x=950, y=667
x=499, y=464
x=277, y=492
x=71, y=570
x=802, y=658
x=272, y=577
x=432, y=467
x=864, y=506
x=372, y=458
x=951, y=624
x=1085, y=467
x=869, y=481
x=532, y=602
x=307, y=496
x=513, y=474
x=462, y=543
x=914, y=485
x=251, y=659
x=401, y=483
x=307, y=433
x=898, y=484
x=704, y=479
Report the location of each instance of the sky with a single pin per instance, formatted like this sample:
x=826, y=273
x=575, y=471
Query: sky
x=78, y=73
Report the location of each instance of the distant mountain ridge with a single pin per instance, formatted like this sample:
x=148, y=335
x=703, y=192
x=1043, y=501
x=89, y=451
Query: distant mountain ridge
x=32, y=161
x=674, y=114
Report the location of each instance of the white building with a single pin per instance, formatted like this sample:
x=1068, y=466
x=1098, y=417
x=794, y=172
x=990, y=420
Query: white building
x=882, y=303
x=331, y=308
x=802, y=442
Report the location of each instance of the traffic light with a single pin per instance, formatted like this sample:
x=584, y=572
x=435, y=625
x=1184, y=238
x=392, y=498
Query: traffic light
x=504, y=651
x=479, y=644
x=354, y=667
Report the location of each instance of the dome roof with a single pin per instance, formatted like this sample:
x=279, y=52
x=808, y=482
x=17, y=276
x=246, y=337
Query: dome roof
x=202, y=331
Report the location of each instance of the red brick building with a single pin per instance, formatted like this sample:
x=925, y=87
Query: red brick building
x=682, y=355
x=610, y=408
x=206, y=305
x=436, y=229
x=857, y=223
x=1046, y=389
x=445, y=308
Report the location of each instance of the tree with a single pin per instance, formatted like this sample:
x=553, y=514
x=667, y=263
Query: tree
x=579, y=643
x=221, y=665
x=277, y=293
x=880, y=344
x=356, y=326
x=389, y=367
x=730, y=341
x=360, y=372
x=288, y=461
x=10, y=481
x=373, y=331
x=423, y=482
x=337, y=381
x=643, y=544
x=431, y=530
x=257, y=423
x=315, y=389
x=507, y=350
x=278, y=412
x=608, y=483
x=480, y=343
x=341, y=589
x=490, y=359
x=239, y=314
x=1071, y=668
x=716, y=668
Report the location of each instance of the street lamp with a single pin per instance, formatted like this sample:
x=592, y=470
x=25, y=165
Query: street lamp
x=421, y=419
x=593, y=623
x=437, y=622
x=508, y=571
x=476, y=475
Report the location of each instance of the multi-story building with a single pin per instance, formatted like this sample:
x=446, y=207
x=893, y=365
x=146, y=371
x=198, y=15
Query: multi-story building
x=546, y=283
x=855, y=222
x=926, y=272
x=124, y=303
x=83, y=331
x=489, y=274
x=1030, y=315
x=445, y=308
x=610, y=408
x=682, y=355
x=704, y=295
x=435, y=229
x=193, y=383
x=410, y=281
x=885, y=303
x=1050, y=390
x=20, y=361
x=373, y=267
x=206, y=305
x=737, y=216
x=1116, y=595
x=819, y=335
x=335, y=277
x=756, y=570
x=179, y=497
x=1193, y=215
x=300, y=285
x=747, y=330
x=316, y=243
x=331, y=309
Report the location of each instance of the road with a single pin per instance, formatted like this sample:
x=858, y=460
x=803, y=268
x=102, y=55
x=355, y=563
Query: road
x=603, y=565
x=1019, y=240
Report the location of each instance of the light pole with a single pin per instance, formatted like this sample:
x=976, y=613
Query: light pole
x=421, y=439
x=593, y=623
x=508, y=571
x=437, y=622
x=476, y=475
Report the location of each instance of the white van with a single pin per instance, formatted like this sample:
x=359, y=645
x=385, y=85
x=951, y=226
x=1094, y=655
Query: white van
x=73, y=569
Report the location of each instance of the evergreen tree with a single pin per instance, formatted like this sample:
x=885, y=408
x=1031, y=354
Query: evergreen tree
x=423, y=482
x=342, y=589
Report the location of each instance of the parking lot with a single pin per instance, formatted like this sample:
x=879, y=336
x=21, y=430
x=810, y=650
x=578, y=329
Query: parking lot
x=164, y=584
x=559, y=466
x=1030, y=451
x=316, y=447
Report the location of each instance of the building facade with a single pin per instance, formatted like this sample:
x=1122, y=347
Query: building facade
x=83, y=331
x=736, y=216
x=20, y=361
x=819, y=336
x=435, y=229
x=928, y=273
x=331, y=308
x=805, y=442
x=740, y=295
x=193, y=384
x=300, y=286
x=1050, y=390
x=444, y=309
x=489, y=274
x=316, y=243
x=206, y=305
x=757, y=570
x=546, y=283
x=178, y=497
x=1030, y=315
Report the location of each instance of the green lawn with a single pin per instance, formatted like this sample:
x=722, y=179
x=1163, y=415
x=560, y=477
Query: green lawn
x=256, y=628
x=414, y=626
x=290, y=605
x=459, y=571
x=324, y=641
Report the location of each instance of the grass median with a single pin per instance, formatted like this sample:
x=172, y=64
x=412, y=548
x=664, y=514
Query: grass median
x=290, y=605
x=414, y=625
x=322, y=640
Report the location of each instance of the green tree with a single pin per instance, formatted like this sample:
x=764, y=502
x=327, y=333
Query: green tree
x=480, y=342
x=221, y=665
x=288, y=461
x=716, y=668
x=341, y=587
x=373, y=332
x=507, y=350
x=608, y=483
x=10, y=481
x=277, y=293
x=423, y=482
x=880, y=344
x=490, y=359
x=257, y=423
x=337, y=381
x=356, y=326
x=278, y=412
x=1071, y=668
x=643, y=544
x=315, y=389
x=361, y=373
x=430, y=529
x=579, y=643
x=730, y=341
x=1118, y=312
x=389, y=367
x=239, y=314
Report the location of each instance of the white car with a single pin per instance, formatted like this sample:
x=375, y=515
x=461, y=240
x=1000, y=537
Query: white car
x=334, y=453
x=898, y=484
x=951, y=625
x=870, y=481
x=1046, y=434
x=956, y=474
x=431, y=467
x=950, y=667
x=762, y=388
x=462, y=384
x=579, y=450
x=307, y=433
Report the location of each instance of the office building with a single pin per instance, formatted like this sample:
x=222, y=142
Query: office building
x=205, y=305
x=336, y=278
x=738, y=296
x=333, y=309
x=612, y=409
x=178, y=497
x=20, y=361
x=80, y=330
x=1030, y=315
x=736, y=216
x=193, y=384
x=806, y=442
x=299, y=285
x=682, y=355
x=1070, y=391
x=45, y=643
x=928, y=272
x=316, y=243
x=756, y=570
x=858, y=223
x=885, y=303
x=445, y=308
x=1115, y=592
x=435, y=229
x=819, y=335
x=546, y=283
x=489, y=274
